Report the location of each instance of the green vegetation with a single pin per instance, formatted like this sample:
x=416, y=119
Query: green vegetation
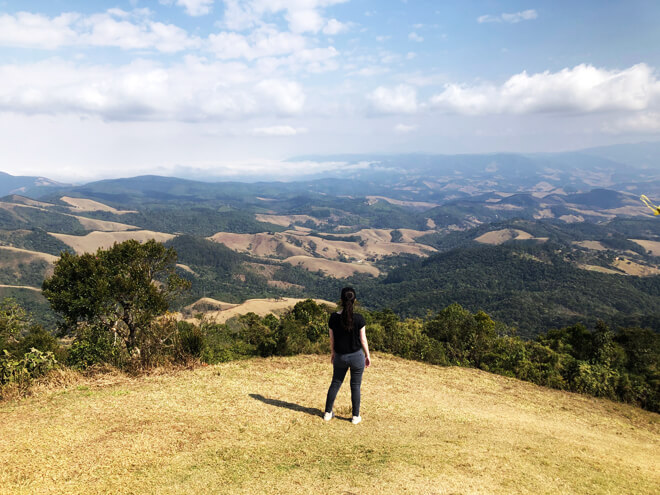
x=524, y=284
x=33, y=240
x=24, y=217
x=119, y=291
x=200, y=221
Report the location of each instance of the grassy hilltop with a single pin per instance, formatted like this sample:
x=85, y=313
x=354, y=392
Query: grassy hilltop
x=254, y=426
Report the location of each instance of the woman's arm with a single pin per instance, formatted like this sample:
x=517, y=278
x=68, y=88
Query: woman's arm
x=365, y=346
x=332, y=346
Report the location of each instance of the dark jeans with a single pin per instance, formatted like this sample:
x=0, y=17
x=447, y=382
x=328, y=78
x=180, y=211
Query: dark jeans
x=354, y=361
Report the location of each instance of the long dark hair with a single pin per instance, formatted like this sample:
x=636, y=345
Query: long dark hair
x=347, y=302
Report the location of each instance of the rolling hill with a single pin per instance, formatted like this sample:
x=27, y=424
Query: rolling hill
x=255, y=426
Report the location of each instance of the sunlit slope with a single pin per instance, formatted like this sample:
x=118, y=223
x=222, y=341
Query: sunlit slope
x=254, y=427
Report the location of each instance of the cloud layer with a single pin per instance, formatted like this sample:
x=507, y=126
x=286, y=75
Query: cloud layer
x=581, y=89
x=191, y=91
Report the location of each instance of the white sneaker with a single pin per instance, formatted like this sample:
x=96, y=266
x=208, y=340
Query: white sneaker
x=328, y=416
x=356, y=419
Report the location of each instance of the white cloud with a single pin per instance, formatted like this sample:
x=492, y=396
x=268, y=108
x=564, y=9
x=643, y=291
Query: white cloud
x=190, y=91
x=415, y=37
x=37, y=31
x=192, y=7
x=333, y=27
x=302, y=15
x=404, y=129
x=581, y=89
x=114, y=28
x=263, y=42
x=525, y=15
x=278, y=131
x=400, y=99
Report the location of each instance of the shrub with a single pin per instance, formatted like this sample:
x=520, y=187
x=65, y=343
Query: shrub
x=21, y=371
x=94, y=345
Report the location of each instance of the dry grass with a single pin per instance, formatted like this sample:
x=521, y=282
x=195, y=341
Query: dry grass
x=254, y=427
x=337, y=269
x=652, y=246
x=220, y=312
x=631, y=268
x=374, y=243
x=81, y=204
x=497, y=237
x=25, y=255
x=94, y=240
x=593, y=245
x=104, y=225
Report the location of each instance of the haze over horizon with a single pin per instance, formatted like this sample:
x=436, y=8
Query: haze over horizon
x=233, y=88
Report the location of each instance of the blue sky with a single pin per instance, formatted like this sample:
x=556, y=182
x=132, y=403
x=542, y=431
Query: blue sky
x=231, y=88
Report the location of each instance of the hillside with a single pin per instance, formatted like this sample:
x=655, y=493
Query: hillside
x=254, y=427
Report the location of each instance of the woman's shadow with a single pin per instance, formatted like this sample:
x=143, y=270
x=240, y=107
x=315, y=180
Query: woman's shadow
x=288, y=405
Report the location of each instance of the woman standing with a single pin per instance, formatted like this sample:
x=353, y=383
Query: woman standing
x=349, y=349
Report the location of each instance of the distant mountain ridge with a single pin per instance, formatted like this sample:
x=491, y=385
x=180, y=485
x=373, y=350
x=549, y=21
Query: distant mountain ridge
x=26, y=185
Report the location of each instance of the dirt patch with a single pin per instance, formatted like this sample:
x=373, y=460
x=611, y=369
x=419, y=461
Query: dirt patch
x=94, y=240
x=286, y=220
x=632, y=268
x=104, y=225
x=186, y=268
x=262, y=307
x=206, y=304
x=571, y=218
x=593, y=245
x=30, y=254
x=374, y=243
x=280, y=284
x=413, y=204
x=653, y=246
x=600, y=269
x=80, y=204
x=497, y=237
x=332, y=268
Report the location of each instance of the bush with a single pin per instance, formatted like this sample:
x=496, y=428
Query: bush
x=191, y=339
x=94, y=345
x=21, y=371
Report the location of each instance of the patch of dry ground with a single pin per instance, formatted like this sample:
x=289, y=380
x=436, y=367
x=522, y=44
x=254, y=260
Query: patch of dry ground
x=497, y=237
x=29, y=254
x=27, y=287
x=597, y=268
x=104, y=225
x=286, y=220
x=254, y=427
x=653, y=246
x=337, y=269
x=593, y=245
x=29, y=202
x=413, y=204
x=374, y=243
x=632, y=268
x=94, y=240
x=15, y=262
x=87, y=223
x=220, y=312
x=81, y=204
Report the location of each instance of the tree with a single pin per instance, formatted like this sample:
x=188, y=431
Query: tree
x=14, y=321
x=122, y=289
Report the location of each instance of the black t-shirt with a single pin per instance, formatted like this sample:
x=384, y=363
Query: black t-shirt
x=346, y=341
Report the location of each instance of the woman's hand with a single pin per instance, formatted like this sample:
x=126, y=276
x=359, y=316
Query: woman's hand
x=367, y=361
x=332, y=358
